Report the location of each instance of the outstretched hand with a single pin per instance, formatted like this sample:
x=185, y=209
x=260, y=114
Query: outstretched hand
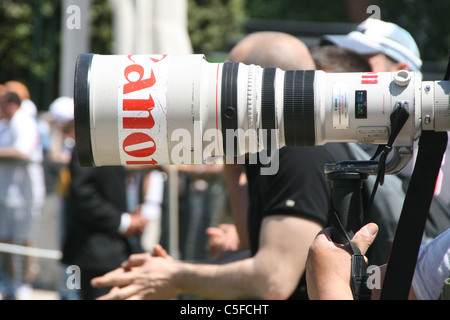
x=141, y=277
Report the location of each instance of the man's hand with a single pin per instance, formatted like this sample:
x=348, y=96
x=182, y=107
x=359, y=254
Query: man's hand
x=224, y=237
x=328, y=266
x=141, y=277
x=137, y=223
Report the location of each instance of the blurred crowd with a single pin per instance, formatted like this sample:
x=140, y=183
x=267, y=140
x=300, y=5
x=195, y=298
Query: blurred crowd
x=38, y=157
x=242, y=235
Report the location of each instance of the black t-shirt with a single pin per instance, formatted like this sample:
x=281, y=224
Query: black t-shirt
x=299, y=188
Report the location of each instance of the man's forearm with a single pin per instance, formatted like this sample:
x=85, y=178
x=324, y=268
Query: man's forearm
x=235, y=280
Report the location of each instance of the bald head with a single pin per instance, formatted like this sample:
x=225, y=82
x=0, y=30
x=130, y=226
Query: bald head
x=19, y=88
x=273, y=50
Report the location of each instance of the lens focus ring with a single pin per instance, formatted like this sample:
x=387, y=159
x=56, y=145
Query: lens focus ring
x=268, y=104
x=298, y=111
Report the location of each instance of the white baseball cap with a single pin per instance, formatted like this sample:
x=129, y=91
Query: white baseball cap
x=62, y=109
x=376, y=36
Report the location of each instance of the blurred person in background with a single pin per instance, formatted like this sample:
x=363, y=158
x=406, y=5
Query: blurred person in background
x=62, y=132
x=58, y=134
x=24, y=95
x=330, y=58
x=98, y=226
x=21, y=159
x=145, y=187
x=28, y=107
x=387, y=46
x=36, y=168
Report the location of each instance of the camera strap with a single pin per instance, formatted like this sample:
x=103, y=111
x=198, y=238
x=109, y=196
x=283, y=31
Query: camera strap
x=409, y=232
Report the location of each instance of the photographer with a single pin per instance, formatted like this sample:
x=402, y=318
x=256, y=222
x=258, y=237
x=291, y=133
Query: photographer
x=283, y=222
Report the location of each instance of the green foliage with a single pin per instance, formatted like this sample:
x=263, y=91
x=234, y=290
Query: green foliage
x=427, y=21
x=213, y=23
x=101, y=27
x=29, y=45
x=295, y=10
x=16, y=29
